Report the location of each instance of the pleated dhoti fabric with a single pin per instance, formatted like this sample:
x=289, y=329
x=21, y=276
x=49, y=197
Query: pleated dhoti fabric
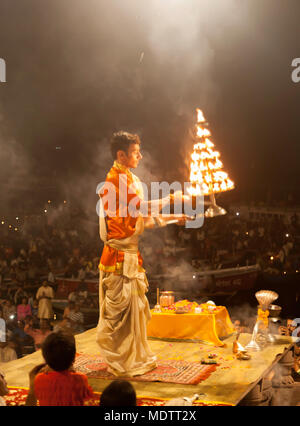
x=122, y=327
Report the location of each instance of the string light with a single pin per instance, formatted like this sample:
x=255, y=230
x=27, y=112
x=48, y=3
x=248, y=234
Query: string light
x=18, y=218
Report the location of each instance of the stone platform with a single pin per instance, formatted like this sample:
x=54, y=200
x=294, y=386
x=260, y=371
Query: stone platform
x=232, y=382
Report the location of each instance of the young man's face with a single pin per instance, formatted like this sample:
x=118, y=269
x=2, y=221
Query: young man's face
x=133, y=157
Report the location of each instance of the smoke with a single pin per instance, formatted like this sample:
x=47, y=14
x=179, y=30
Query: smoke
x=15, y=169
x=78, y=72
x=244, y=313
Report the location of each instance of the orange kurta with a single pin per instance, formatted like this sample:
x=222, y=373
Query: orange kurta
x=119, y=222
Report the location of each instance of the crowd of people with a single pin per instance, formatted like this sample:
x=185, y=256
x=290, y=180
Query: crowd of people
x=224, y=242
x=25, y=321
x=66, y=250
x=25, y=325
x=40, y=252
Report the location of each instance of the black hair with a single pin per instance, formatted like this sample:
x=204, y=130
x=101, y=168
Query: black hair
x=118, y=393
x=59, y=350
x=121, y=141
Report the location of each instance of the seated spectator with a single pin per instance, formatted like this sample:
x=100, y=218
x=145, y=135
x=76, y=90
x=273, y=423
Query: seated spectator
x=2, y=326
x=65, y=324
x=74, y=296
x=9, y=311
x=34, y=312
x=38, y=334
x=34, y=307
x=118, y=393
x=19, y=295
x=68, y=310
x=2, y=297
x=76, y=319
x=7, y=351
x=287, y=330
x=56, y=383
x=23, y=310
x=81, y=273
x=51, y=277
x=3, y=389
x=20, y=337
x=82, y=291
x=30, y=298
x=92, y=302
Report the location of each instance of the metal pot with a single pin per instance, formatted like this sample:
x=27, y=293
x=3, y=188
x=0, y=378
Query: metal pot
x=167, y=298
x=274, y=311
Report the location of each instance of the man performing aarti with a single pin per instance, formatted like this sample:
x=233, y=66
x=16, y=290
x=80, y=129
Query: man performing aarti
x=124, y=307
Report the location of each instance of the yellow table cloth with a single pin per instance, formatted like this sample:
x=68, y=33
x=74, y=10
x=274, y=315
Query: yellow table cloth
x=205, y=327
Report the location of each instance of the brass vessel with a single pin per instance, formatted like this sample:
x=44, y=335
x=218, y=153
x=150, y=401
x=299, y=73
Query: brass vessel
x=167, y=298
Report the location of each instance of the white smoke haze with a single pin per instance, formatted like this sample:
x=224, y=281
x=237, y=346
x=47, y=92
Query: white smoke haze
x=15, y=168
x=110, y=62
x=244, y=313
x=78, y=72
x=146, y=168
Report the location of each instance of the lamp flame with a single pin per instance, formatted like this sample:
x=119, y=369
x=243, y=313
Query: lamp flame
x=200, y=116
x=205, y=174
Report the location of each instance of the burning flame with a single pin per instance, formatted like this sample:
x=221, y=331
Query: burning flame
x=202, y=132
x=200, y=116
x=205, y=174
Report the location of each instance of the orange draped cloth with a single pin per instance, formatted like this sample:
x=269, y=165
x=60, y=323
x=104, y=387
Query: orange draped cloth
x=204, y=327
x=120, y=224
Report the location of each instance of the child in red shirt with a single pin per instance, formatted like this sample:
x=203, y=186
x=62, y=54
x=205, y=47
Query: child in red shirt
x=56, y=383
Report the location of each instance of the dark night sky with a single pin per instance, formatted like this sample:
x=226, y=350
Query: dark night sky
x=79, y=70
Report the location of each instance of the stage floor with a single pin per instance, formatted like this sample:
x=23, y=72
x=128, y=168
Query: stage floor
x=229, y=383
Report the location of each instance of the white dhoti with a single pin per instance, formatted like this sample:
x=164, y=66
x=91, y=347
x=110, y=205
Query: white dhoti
x=44, y=295
x=124, y=313
x=45, y=310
